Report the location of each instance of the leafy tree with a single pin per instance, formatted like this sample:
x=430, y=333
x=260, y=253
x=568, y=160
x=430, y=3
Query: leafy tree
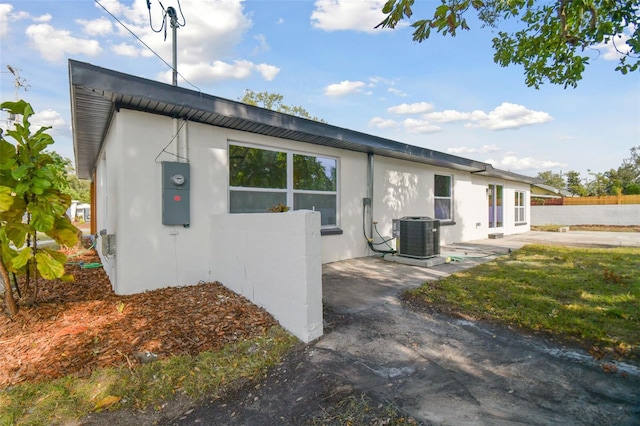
x=574, y=184
x=630, y=172
x=598, y=185
x=552, y=179
x=31, y=202
x=253, y=167
x=551, y=38
x=70, y=184
x=273, y=101
x=79, y=189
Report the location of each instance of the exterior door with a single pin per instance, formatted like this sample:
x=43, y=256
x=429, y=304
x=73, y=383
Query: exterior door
x=495, y=206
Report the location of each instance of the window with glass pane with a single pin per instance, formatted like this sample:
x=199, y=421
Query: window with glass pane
x=251, y=171
x=257, y=168
x=258, y=180
x=495, y=205
x=443, y=200
x=520, y=207
x=325, y=204
x=255, y=201
x=314, y=186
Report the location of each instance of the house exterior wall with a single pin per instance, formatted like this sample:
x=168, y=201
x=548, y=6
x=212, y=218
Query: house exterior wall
x=404, y=188
x=150, y=255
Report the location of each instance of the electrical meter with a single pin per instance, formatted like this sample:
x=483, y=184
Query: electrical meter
x=175, y=193
x=178, y=179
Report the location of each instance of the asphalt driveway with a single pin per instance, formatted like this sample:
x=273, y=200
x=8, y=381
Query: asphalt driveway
x=449, y=371
x=436, y=369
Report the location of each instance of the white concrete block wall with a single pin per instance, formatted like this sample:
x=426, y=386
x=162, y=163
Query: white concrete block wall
x=621, y=215
x=150, y=255
x=274, y=260
x=404, y=188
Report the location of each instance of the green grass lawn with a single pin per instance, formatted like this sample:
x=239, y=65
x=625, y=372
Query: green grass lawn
x=587, y=295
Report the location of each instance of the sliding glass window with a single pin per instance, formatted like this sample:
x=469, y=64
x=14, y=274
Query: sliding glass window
x=260, y=179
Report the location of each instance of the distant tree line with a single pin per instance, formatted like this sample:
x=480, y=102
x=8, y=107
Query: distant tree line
x=623, y=180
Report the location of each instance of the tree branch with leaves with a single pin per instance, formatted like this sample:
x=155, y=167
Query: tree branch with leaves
x=553, y=37
x=31, y=202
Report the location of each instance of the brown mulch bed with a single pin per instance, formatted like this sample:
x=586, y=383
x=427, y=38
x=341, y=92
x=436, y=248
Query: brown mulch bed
x=76, y=327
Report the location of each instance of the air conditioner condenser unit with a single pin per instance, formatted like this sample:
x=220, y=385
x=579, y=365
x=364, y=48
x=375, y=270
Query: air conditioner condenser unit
x=418, y=237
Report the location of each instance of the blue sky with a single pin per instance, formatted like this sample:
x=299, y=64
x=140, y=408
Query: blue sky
x=445, y=94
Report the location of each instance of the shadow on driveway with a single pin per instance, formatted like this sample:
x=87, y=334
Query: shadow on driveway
x=443, y=370
x=436, y=369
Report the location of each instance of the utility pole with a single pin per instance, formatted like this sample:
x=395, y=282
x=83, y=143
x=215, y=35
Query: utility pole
x=18, y=83
x=171, y=14
x=173, y=19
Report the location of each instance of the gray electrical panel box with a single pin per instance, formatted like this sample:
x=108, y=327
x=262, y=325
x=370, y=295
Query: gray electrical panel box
x=176, y=181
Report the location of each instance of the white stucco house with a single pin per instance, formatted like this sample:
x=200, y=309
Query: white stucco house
x=182, y=181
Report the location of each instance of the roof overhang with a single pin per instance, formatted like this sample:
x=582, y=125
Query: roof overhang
x=96, y=93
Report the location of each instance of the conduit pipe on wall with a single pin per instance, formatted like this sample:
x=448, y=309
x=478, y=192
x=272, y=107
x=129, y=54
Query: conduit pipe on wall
x=182, y=143
x=369, y=208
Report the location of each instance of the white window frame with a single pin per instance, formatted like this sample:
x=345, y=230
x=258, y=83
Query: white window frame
x=450, y=198
x=520, y=207
x=289, y=190
x=496, y=210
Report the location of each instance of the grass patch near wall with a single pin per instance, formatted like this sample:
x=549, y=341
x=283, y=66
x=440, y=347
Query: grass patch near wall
x=596, y=228
x=590, y=296
x=63, y=400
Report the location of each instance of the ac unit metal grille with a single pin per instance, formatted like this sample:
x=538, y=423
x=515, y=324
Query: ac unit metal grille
x=419, y=237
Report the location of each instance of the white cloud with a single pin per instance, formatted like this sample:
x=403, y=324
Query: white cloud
x=48, y=117
x=125, y=49
x=219, y=70
x=415, y=108
x=382, y=123
x=213, y=30
x=269, y=72
x=615, y=49
x=345, y=87
x=5, y=10
x=448, y=116
x=468, y=150
x=44, y=18
x=54, y=44
x=336, y=15
x=512, y=162
x=508, y=116
x=96, y=27
x=397, y=92
x=6, y=16
x=419, y=126
x=262, y=45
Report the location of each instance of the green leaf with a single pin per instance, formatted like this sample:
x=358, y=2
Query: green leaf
x=41, y=219
x=17, y=233
x=7, y=155
x=64, y=232
x=7, y=255
x=40, y=185
x=6, y=199
x=22, y=258
x=18, y=107
x=50, y=264
x=21, y=172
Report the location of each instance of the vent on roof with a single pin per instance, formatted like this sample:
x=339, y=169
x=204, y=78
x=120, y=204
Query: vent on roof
x=418, y=236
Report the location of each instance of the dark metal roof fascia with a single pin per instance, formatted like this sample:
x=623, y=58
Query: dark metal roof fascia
x=506, y=175
x=127, y=91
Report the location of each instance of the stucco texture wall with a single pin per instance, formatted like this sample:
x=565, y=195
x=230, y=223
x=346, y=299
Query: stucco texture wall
x=620, y=215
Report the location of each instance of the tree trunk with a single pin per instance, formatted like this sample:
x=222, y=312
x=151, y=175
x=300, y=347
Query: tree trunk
x=12, y=307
